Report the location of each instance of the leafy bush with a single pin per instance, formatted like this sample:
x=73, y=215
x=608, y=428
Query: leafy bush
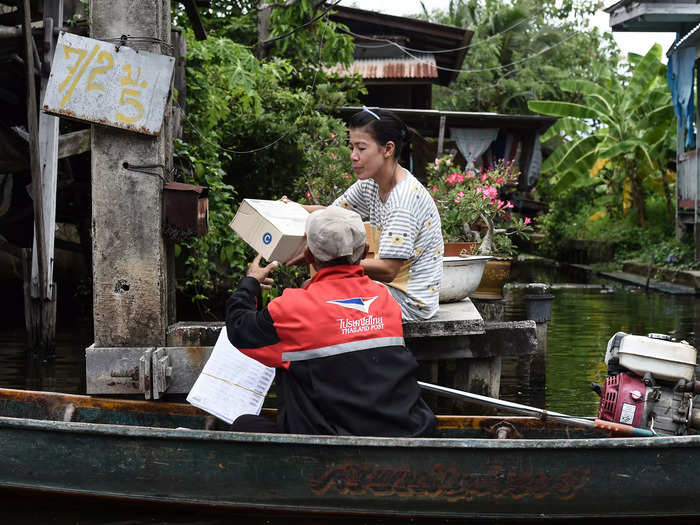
x=256, y=129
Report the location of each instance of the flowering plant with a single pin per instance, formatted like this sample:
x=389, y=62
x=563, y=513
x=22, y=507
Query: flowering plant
x=465, y=198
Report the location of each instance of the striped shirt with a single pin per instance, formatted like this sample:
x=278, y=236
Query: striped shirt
x=407, y=226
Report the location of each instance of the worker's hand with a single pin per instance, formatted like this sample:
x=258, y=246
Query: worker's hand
x=299, y=257
x=260, y=273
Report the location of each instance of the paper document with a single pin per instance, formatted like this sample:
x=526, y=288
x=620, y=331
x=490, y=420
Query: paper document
x=231, y=383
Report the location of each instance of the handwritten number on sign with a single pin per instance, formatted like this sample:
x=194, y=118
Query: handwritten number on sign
x=101, y=58
x=77, y=70
x=128, y=80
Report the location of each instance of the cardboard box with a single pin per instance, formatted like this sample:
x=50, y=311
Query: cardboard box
x=273, y=228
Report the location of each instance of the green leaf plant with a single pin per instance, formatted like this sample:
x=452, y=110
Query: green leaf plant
x=619, y=139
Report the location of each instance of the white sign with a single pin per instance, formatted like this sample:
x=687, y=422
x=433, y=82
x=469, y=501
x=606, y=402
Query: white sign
x=105, y=84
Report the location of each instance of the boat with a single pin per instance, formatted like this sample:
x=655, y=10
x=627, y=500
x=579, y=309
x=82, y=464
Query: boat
x=493, y=467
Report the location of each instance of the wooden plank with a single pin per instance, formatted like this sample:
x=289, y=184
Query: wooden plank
x=34, y=155
x=73, y=143
x=48, y=152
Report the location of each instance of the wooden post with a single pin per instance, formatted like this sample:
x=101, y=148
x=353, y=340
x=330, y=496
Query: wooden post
x=263, y=22
x=129, y=253
x=179, y=81
x=40, y=292
x=441, y=135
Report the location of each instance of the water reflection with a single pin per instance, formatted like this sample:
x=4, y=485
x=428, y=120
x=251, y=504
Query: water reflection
x=59, y=371
x=583, y=320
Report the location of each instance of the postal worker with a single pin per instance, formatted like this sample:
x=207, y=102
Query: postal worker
x=403, y=220
x=337, y=343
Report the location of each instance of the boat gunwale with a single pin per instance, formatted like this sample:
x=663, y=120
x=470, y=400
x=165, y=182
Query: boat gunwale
x=358, y=441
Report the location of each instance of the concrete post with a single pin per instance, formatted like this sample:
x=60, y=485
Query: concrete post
x=538, y=307
x=129, y=253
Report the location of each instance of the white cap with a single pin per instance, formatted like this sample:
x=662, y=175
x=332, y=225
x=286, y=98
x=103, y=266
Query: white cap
x=335, y=232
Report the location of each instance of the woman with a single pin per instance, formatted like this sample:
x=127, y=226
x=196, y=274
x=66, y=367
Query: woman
x=405, y=229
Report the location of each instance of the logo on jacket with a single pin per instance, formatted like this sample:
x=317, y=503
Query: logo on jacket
x=356, y=303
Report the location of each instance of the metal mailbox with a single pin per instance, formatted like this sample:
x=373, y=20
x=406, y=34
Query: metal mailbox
x=186, y=210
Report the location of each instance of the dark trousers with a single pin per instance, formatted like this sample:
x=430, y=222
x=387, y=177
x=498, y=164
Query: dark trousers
x=253, y=423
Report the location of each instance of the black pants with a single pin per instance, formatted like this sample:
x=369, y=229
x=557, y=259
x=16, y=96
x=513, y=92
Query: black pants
x=253, y=423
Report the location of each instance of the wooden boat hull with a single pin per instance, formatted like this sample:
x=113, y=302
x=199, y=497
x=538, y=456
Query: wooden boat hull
x=466, y=477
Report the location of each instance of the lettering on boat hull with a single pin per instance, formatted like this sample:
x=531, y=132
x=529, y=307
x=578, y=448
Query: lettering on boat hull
x=448, y=483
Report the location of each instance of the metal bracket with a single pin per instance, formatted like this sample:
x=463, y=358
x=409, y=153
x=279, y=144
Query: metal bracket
x=145, y=373
x=150, y=371
x=162, y=372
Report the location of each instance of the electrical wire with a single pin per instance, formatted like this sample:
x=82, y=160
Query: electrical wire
x=406, y=52
x=468, y=46
x=314, y=19
x=285, y=134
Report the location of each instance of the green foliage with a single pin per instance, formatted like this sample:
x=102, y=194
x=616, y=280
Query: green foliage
x=256, y=129
x=569, y=219
x=521, y=50
x=329, y=171
x=335, y=47
x=620, y=138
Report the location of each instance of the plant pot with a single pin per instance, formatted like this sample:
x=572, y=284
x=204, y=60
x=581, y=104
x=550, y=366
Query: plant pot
x=456, y=248
x=461, y=276
x=495, y=276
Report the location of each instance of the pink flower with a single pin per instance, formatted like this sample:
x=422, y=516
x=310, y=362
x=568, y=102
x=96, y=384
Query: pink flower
x=457, y=201
x=347, y=175
x=434, y=187
x=334, y=156
x=490, y=192
x=527, y=220
x=454, y=178
x=308, y=195
x=333, y=135
x=484, y=177
x=460, y=194
x=470, y=175
x=499, y=180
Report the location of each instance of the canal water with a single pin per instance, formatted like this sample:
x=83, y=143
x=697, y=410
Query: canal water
x=586, y=313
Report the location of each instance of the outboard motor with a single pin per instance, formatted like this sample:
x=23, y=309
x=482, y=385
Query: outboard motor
x=651, y=384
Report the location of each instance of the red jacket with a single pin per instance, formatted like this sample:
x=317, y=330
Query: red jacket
x=338, y=345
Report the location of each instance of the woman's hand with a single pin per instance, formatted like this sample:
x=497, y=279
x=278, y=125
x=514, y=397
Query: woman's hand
x=260, y=273
x=299, y=257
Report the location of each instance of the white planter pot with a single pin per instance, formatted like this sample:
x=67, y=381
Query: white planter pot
x=461, y=276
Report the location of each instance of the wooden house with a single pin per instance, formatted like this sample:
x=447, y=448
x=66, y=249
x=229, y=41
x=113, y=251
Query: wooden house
x=401, y=58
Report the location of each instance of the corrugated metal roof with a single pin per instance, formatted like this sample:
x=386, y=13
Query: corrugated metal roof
x=423, y=66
